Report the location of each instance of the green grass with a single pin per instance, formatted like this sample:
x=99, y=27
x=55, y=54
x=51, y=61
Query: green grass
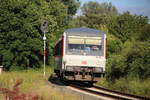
x=34, y=82
x=128, y=85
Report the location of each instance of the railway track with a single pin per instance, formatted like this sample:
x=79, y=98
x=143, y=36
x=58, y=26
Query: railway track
x=121, y=94
x=101, y=92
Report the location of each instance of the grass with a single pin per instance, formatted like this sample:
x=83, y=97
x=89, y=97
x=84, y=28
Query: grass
x=34, y=83
x=128, y=85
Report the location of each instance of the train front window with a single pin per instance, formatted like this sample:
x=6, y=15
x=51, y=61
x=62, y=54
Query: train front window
x=82, y=45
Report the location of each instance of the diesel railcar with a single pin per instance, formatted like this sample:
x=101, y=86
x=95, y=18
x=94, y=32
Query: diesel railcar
x=80, y=54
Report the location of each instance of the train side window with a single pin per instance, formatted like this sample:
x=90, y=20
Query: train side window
x=58, y=48
x=56, y=51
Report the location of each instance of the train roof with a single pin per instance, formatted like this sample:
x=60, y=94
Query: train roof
x=83, y=31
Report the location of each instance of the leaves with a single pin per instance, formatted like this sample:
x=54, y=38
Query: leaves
x=126, y=26
x=21, y=40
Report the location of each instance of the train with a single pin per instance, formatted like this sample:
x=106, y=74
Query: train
x=80, y=55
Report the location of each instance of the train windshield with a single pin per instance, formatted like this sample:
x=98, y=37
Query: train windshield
x=84, y=45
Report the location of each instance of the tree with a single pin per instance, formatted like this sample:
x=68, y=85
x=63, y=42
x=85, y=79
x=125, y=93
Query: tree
x=21, y=41
x=133, y=61
x=145, y=33
x=138, y=60
x=95, y=14
x=126, y=26
x=114, y=45
x=94, y=8
x=72, y=6
x=116, y=67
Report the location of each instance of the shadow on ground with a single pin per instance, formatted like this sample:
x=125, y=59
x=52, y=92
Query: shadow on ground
x=55, y=80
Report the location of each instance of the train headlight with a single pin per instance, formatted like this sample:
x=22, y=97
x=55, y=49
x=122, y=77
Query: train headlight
x=69, y=68
x=99, y=69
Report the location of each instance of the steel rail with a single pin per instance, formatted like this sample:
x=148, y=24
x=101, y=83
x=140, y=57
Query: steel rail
x=113, y=94
x=99, y=93
x=110, y=93
x=121, y=93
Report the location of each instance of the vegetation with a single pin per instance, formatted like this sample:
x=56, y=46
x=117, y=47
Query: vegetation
x=33, y=85
x=21, y=43
x=128, y=85
x=94, y=15
x=128, y=38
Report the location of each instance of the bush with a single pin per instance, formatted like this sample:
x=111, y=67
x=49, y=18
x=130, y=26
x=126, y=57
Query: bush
x=116, y=67
x=132, y=86
x=128, y=85
x=138, y=60
x=114, y=45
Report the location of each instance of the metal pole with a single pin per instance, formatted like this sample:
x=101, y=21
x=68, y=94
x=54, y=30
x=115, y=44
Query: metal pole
x=44, y=38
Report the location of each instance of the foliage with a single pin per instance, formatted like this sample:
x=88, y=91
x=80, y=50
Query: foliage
x=21, y=41
x=129, y=85
x=94, y=14
x=15, y=93
x=98, y=8
x=145, y=33
x=138, y=60
x=114, y=45
x=116, y=67
x=134, y=62
x=34, y=84
x=126, y=26
x=72, y=5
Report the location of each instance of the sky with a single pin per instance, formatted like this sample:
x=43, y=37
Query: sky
x=138, y=7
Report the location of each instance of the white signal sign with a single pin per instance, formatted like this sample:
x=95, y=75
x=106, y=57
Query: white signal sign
x=44, y=26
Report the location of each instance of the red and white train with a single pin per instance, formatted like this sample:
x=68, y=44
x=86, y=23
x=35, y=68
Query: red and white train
x=80, y=54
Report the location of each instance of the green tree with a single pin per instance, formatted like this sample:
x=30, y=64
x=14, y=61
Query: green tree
x=94, y=8
x=127, y=54
x=72, y=6
x=138, y=60
x=145, y=33
x=126, y=26
x=132, y=61
x=113, y=46
x=116, y=67
x=21, y=41
x=95, y=14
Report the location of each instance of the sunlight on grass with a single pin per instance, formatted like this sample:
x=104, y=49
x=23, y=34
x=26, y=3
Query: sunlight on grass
x=128, y=85
x=34, y=82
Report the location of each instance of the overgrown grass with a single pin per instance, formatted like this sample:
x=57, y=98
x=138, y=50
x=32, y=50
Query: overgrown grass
x=128, y=85
x=34, y=82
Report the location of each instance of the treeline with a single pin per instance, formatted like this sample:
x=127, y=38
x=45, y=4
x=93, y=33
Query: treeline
x=21, y=40
x=128, y=38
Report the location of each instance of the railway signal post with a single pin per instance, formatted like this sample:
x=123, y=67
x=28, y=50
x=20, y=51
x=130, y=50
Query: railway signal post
x=44, y=29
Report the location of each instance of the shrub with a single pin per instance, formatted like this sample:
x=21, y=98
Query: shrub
x=15, y=93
